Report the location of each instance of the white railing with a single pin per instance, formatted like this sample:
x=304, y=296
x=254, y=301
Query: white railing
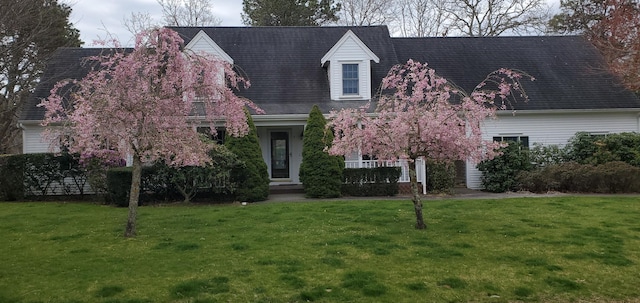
x=403, y=164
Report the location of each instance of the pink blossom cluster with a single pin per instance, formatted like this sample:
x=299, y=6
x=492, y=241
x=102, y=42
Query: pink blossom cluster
x=420, y=114
x=145, y=102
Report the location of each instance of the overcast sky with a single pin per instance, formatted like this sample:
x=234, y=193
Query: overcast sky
x=93, y=18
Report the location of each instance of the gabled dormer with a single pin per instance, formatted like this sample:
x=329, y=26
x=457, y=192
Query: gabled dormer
x=201, y=42
x=349, y=68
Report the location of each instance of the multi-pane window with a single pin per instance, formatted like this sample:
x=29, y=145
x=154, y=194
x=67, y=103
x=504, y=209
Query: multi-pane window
x=350, y=81
x=523, y=140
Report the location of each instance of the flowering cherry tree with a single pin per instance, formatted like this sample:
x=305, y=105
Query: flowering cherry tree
x=144, y=103
x=420, y=114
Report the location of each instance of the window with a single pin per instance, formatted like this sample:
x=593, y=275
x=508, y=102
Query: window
x=350, y=81
x=523, y=140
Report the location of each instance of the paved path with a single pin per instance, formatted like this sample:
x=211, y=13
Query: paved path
x=459, y=193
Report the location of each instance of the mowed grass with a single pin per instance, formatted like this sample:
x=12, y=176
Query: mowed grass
x=561, y=249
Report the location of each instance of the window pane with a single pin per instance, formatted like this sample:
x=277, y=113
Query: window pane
x=350, y=80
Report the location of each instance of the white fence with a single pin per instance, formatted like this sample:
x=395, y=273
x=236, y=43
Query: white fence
x=403, y=164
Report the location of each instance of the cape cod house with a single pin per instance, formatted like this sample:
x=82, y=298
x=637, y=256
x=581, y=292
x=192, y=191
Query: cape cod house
x=292, y=68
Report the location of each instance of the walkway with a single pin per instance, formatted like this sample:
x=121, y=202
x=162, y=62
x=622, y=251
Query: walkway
x=459, y=193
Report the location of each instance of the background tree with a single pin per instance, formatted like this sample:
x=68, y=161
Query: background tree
x=421, y=114
x=578, y=16
x=366, y=12
x=471, y=17
x=188, y=13
x=289, y=12
x=254, y=184
x=476, y=18
x=30, y=31
x=612, y=27
x=421, y=18
x=320, y=173
x=139, y=103
x=174, y=13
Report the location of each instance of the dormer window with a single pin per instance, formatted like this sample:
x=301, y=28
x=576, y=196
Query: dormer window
x=349, y=68
x=350, y=80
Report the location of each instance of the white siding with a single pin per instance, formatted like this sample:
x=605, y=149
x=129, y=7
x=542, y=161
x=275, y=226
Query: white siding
x=351, y=53
x=201, y=42
x=33, y=141
x=552, y=128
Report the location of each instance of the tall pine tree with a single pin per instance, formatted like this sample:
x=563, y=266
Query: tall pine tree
x=320, y=173
x=289, y=12
x=255, y=182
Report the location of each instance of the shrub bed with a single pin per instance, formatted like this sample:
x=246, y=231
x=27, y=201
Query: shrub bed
x=610, y=177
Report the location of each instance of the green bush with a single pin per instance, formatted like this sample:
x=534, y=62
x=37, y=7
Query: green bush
x=155, y=185
x=598, y=149
x=379, y=181
x=11, y=177
x=255, y=177
x=545, y=155
x=610, y=177
x=500, y=173
x=320, y=173
x=119, y=185
x=441, y=177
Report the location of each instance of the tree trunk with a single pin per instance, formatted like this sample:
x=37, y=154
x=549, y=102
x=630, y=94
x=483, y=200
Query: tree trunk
x=130, y=230
x=417, y=203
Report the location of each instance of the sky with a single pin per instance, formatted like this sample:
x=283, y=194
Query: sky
x=95, y=17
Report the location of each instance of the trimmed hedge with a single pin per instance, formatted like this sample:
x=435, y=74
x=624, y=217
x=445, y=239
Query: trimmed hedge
x=42, y=174
x=11, y=177
x=610, y=177
x=154, y=185
x=379, y=181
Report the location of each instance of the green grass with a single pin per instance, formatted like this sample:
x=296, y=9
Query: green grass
x=562, y=249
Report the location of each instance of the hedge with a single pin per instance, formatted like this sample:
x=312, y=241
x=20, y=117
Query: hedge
x=610, y=177
x=11, y=177
x=379, y=181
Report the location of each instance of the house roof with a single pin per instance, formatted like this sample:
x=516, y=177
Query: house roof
x=569, y=72
x=65, y=63
x=282, y=64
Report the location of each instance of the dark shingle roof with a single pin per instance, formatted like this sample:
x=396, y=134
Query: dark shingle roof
x=283, y=66
x=283, y=63
x=569, y=72
x=65, y=63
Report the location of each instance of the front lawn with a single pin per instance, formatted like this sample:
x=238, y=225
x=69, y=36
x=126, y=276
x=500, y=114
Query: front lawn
x=560, y=249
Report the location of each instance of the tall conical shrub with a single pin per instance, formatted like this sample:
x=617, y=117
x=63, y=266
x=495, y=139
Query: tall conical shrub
x=254, y=185
x=320, y=173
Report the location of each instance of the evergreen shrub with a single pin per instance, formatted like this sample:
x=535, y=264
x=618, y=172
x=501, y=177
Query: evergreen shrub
x=320, y=173
x=441, y=177
x=254, y=185
x=500, y=173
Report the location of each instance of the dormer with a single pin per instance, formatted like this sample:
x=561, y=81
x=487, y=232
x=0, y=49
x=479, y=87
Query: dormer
x=201, y=42
x=349, y=62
